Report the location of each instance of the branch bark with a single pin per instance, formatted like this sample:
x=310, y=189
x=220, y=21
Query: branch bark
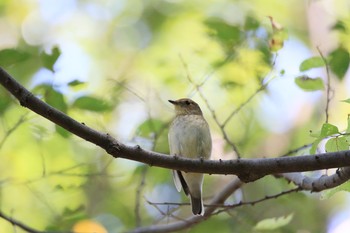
x=318, y=184
x=246, y=169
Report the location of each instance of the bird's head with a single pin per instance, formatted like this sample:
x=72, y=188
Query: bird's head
x=186, y=106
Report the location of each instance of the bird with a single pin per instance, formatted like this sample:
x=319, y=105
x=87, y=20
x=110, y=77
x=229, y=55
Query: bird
x=189, y=136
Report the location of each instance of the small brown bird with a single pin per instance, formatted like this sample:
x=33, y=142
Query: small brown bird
x=189, y=136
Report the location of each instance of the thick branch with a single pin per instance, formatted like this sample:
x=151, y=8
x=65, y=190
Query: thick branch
x=245, y=169
x=321, y=183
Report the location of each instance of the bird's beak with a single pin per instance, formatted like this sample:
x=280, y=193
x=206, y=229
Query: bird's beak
x=173, y=102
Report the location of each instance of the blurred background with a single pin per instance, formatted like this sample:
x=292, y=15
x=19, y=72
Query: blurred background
x=113, y=64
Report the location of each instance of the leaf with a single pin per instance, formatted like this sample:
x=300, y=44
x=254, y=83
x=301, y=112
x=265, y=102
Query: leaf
x=329, y=193
x=275, y=25
x=5, y=102
x=150, y=127
x=51, y=96
x=328, y=130
x=55, y=99
x=251, y=23
x=49, y=60
x=92, y=104
x=63, y=132
x=279, y=35
x=337, y=144
x=339, y=26
x=346, y=101
x=339, y=62
x=227, y=34
x=309, y=84
x=75, y=83
x=228, y=84
x=310, y=63
x=314, y=146
x=273, y=223
x=10, y=57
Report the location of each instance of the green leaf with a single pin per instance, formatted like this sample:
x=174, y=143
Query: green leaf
x=251, y=23
x=329, y=193
x=75, y=83
x=10, y=57
x=339, y=62
x=150, y=127
x=227, y=34
x=51, y=96
x=63, y=132
x=5, y=102
x=339, y=26
x=314, y=146
x=309, y=84
x=346, y=101
x=273, y=223
x=328, y=130
x=229, y=84
x=49, y=60
x=313, y=62
x=337, y=144
x=92, y=104
x=55, y=99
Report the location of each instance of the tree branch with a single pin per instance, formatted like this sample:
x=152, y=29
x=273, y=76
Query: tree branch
x=19, y=224
x=321, y=183
x=246, y=169
x=193, y=220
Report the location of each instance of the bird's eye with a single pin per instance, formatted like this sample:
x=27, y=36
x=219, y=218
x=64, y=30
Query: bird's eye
x=187, y=102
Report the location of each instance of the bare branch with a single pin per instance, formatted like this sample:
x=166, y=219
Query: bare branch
x=193, y=220
x=217, y=202
x=246, y=169
x=227, y=207
x=293, y=151
x=20, y=121
x=328, y=84
x=234, y=112
x=19, y=224
x=221, y=126
x=138, y=197
x=318, y=184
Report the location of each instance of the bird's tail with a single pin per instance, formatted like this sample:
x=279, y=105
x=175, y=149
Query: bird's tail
x=197, y=205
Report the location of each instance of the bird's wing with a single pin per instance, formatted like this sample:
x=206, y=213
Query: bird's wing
x=180, y=182
x=177, y=181
x=204, y=144
x=175, y=149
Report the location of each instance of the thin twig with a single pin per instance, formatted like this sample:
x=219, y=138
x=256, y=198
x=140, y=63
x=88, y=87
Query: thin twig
x=293, y=151
x=138, y=197
x=19, y=224
x=261, y=88
x=252, y=203
x=328, y=91
x=211, y=73
x=234, y=147
x=21, y=120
